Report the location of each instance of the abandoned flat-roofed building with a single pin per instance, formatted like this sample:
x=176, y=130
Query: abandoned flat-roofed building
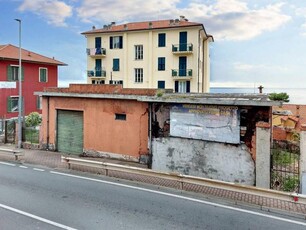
x=164, y=54
x=206, y=135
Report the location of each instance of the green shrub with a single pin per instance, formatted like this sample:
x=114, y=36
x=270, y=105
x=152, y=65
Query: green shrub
x=279, y=97
x=33, y=119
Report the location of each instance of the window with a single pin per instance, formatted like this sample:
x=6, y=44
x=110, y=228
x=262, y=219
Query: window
x=98, y=82
x=161, y=63
x=182, y=86
x=139, y=52
x=43, y=75
x=162, y=40
x=116, y=64
x=98, y=42
x=116, y=82
x=13, y=72
x=12, y=104
x=139, y=75
x=120, y=116
x=39, y=102
x=115, y=42
x=98, y=68
x=161, y=84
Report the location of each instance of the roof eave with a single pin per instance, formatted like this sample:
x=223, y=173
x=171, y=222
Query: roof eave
x=122, y=31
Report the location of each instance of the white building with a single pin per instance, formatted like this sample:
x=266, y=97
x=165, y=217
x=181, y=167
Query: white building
x=169, y=54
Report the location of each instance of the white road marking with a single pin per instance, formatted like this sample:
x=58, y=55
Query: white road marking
x=40, y=170
x=36, y=217
x=184, y=198
x=5, y=163
x=22, y=166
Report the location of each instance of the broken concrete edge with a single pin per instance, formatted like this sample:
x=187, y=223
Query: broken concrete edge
x=262, y=124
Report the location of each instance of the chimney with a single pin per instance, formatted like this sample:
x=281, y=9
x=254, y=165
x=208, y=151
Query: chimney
x=105, y=27
x=171, y=22
x=125, y=26
x=150, y=25
x=177, y=21
x=93, y=27
x=260, y=88
x=113, y=23
x=182, y=18
x=29, y=54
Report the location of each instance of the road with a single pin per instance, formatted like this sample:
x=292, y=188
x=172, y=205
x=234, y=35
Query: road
x=35, y=198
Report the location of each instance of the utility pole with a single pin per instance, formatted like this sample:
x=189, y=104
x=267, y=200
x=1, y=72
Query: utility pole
x=20, y=91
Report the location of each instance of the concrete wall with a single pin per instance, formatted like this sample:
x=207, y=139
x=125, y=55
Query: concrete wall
x=263, y=155
x=232, y=163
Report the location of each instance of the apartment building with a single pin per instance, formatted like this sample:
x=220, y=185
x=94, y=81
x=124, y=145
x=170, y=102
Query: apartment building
x=165, y=54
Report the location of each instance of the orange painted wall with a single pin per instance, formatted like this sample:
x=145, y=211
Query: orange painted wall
x=101, y=131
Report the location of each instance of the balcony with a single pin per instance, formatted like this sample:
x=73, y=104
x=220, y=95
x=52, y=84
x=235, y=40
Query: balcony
x=96, y=73
x=96, y=52
x=182, y=73
x=183, y=48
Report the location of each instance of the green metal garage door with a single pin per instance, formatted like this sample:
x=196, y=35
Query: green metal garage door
x=70, y=131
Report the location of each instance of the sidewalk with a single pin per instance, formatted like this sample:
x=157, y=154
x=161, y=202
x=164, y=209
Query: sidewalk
x=53, y=160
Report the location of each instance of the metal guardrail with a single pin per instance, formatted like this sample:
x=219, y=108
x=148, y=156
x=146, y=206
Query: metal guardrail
x=182, y=179
x=16, y=153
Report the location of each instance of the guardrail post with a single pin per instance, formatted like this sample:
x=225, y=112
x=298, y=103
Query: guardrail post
x=263, y=146
x=303, y=159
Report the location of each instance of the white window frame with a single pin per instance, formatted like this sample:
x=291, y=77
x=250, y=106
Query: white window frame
x=138, y=52
x=41, y=68
x=16, y=107
x=15, y=72
x=138, y=75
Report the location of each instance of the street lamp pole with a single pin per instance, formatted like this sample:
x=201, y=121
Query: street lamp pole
x=20, y=91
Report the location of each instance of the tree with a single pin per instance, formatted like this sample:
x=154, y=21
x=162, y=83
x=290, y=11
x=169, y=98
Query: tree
x=279, y=97
x=33, y=119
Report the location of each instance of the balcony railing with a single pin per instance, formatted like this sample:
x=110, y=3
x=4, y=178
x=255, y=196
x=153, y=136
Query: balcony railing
x=178, y=73
x=96, y=73
x=96, y=51
x=182, y=48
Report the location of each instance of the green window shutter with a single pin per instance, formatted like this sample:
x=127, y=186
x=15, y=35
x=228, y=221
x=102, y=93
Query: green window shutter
x=22, y=73
x=38, y=106
x=116, y=64
x=9, y=104
x=22, y=104
x=42, y=75
x=9, y=73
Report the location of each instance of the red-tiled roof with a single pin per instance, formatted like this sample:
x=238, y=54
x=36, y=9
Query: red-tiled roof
x=11, y=52
x=148, y=25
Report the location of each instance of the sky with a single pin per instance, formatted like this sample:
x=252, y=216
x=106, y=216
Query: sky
x=256, y=42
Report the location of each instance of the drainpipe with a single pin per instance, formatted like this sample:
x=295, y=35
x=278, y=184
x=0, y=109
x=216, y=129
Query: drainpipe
x=48, y=108
x=199, y=39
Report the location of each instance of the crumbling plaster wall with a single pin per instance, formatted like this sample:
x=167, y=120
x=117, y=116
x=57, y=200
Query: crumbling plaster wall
x=220, y=161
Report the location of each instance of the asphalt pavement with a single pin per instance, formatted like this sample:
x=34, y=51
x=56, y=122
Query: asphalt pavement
x=47, y=198
x=52, y=160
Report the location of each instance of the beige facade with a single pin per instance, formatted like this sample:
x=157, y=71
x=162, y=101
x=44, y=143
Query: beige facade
x=161, y=54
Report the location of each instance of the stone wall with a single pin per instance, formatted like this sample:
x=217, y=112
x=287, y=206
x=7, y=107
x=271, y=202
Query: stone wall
x=220, y=161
